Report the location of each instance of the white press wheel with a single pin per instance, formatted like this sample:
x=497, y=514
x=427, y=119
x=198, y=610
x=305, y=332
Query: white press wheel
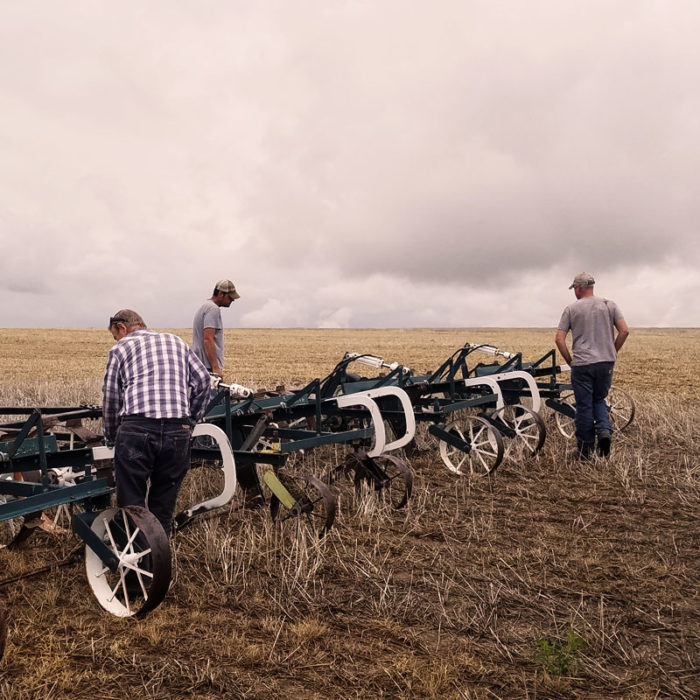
x=143, y=574
x=621, y=408
x=486, y=447
x=530, y=431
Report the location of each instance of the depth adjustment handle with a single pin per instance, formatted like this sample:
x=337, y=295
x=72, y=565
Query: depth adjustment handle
x=237, y=391
x=373, y=361
x=491, y=350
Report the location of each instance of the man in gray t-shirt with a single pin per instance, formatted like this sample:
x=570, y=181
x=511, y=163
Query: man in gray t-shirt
x=592, y=321
x=208, y=329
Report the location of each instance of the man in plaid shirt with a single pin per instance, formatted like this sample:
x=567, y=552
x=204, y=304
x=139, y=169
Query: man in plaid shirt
x=155, y=390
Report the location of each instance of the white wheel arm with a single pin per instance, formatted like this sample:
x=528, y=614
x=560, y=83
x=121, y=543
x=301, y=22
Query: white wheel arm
x=362, y=399
x=489, y=382
x=528, y=379
x=367, y=399
x=409, y=415
x=228, y=467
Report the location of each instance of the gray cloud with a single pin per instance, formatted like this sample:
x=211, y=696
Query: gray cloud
x=350, y=163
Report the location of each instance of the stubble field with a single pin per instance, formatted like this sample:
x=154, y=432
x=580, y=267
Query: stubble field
x=551, y=579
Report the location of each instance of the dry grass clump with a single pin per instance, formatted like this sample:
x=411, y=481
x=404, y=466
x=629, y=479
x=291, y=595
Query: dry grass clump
x=553, y=578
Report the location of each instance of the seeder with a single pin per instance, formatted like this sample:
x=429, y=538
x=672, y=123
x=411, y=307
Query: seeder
x=56, y=475
x=472, y=420
x=269, y=429
x=558, y=394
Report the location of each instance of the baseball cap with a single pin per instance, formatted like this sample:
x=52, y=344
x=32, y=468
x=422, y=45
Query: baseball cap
x=228, y=287
x=583, y=279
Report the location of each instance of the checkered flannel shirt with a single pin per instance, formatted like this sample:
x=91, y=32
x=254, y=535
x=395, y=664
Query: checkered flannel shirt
x=155, y=375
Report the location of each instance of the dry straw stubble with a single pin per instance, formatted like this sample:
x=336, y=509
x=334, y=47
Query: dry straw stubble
x=448, y=598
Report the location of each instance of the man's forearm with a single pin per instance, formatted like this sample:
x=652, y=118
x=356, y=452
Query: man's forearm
x=210, y=350
x=200, y=389
x=620, y=340
x=110, y=413
x=111, y=400
x=564, y=351
x=560, y=341
x=622, y=332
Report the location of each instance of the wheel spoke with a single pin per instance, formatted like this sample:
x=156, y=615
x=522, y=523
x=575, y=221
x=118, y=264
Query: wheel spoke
x=527, y=426
x=141, y=572
x=529, y=439
x=119, y=584
x=461, y=459
x=482, y=460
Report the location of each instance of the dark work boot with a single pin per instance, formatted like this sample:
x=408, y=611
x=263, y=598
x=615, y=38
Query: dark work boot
x=584, y=451
x=604, y=438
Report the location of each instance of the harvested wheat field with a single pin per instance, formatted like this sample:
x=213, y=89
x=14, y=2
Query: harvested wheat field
x=550, y=579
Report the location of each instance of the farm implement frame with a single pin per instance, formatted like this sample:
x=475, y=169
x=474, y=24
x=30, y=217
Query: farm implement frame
x=269, y=428
x=471, y=420
x=558, y=395
x=54, y=473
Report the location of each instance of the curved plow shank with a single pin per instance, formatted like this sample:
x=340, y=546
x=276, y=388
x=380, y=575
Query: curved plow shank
x=228, y=467
x=385, y=473
x=141, y=578
x=307, y=498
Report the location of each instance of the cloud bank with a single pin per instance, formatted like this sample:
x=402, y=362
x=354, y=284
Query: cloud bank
x=348, y=164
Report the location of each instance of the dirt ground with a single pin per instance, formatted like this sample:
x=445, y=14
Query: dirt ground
x=551, y=579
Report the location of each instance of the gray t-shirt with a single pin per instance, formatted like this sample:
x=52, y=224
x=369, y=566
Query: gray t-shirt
x=208, y=316
x=591, y=321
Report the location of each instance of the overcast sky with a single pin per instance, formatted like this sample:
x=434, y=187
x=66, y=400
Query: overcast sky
x=349, y=163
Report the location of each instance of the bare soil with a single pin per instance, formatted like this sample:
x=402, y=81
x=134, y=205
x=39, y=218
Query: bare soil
x=551, y=579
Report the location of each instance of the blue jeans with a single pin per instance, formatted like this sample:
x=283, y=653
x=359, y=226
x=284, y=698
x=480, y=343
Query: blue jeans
x=591, y=384
x=156, y=451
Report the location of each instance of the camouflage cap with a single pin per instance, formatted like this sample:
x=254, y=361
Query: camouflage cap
x=228, y=287
x=583, y=279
